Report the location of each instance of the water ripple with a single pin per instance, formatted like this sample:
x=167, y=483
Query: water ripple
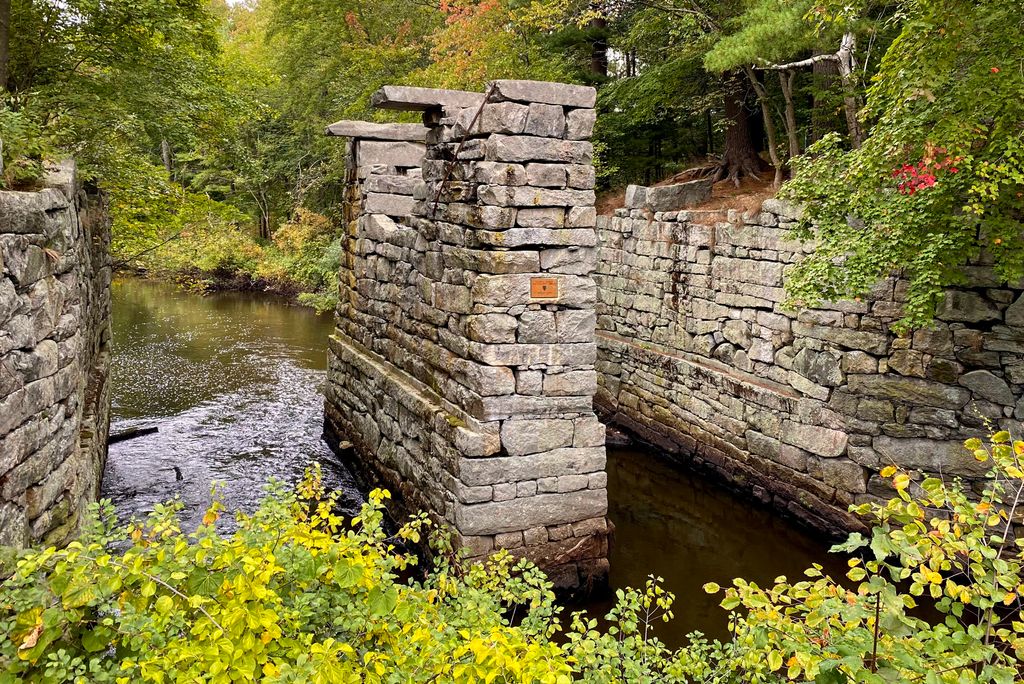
x=232, y=382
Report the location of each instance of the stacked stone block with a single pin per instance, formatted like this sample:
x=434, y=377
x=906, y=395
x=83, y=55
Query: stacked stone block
x=463, y=368
x=698, y=355
x=54, y=358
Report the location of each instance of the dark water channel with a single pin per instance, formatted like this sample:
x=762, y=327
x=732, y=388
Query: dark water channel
x=233, y=383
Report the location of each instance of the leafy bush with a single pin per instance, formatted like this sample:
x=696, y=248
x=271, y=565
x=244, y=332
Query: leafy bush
x=23, y=149
x=295, y=595
x=305, y=252
x=934, y=539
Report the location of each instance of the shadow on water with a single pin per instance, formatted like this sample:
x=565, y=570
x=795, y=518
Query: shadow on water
x=233, y=382
x=679, y=526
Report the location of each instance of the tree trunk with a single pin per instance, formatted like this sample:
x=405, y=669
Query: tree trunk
x=769, y=125
x=599, y=47
x=739, y=158
x=786, y=79
x=825, y=73
x=165, y=154
x=5, y=42
x=851, y=104
x=264, y=225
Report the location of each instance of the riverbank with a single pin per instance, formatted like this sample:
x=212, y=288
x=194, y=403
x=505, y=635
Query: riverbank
x=299, y=263
x=197, y=282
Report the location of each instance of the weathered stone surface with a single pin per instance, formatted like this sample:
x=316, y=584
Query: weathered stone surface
x=929, y=455
x=522, y=437
x=822, y=368
x=580, y=124
x=397, y=185
x=461, y=383
x=526, y=196
x=1015, y=313
x=578, y=260
x=502, y=117
x=366, y=130
x=537, y=237
x=498, y=173
x=546, y=175
x=636, y=196
x=515, y=288
x=392, y=205
x=815, y=439
x=987, y=386
x=871, y=342
x=845, y=475
x=679, y=196
x=968, y=307
x=509, y=148
x=579, y=383
x=545, y=464
x=546, y=92
x=545, y=217
x=747, y=271
x=493, y=328
x=399, y=154
x=535, y=511
x=909, y=390
x=907, y=362
x=54, y=328
x=546, y=121
x=698, y=353
x=411, y=99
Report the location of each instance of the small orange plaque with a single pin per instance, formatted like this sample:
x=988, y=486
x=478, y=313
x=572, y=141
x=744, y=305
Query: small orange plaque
x=543, y=288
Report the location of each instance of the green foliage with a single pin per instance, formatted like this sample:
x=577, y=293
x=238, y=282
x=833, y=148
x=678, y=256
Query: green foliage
x=939, y=181
x=292, y=596
x=933, y=540
x=484, y=41
x=23, y=149
x=297, y=595
x=103, y=78
x=768, y=31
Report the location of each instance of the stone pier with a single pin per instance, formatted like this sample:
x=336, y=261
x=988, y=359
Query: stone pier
x=462, y=369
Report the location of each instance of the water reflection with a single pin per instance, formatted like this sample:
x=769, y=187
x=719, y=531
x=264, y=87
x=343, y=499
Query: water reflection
x=232, y=381
x=679, y=526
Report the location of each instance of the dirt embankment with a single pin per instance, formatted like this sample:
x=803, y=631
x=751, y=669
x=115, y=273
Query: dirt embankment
x=724, y=196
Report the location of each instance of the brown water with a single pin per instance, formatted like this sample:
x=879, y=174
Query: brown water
x=679, y=526
x=233, y=382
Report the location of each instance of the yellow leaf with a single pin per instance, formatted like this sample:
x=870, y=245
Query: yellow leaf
x=164, y=604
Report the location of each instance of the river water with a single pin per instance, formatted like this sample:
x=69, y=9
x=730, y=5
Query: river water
x=233, y=381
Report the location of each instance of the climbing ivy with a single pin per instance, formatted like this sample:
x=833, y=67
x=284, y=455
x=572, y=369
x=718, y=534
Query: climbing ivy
x=939, y=182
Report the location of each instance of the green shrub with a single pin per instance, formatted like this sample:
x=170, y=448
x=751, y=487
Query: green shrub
x=297, y=596
x=23, y=149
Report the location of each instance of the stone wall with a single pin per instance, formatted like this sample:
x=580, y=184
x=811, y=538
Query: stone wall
x=54, y=335
x=462, y=368
x=698, y=356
